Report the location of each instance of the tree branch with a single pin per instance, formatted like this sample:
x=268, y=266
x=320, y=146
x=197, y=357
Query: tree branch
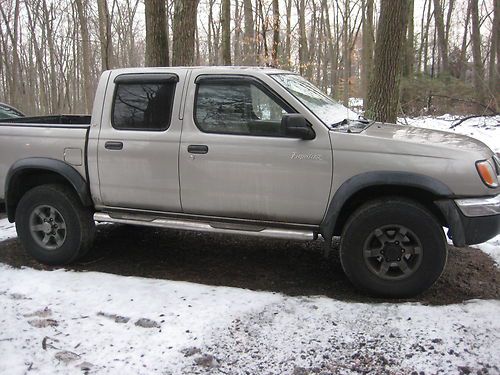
x=453, y=126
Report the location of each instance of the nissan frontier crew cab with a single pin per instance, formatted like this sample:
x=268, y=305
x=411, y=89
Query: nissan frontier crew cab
x=253, y=151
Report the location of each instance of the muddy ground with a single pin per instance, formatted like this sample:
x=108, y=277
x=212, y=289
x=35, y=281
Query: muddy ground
x=289, y=267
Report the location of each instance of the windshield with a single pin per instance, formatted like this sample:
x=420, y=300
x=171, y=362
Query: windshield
x=8, y=112
x=326, y=109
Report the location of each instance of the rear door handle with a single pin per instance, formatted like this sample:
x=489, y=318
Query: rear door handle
x=197, y=149
x=113, y=145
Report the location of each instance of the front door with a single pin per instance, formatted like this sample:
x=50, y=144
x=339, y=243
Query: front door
x=236, y=160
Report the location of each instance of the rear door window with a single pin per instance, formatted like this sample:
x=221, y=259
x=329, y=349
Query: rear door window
x=143, y=105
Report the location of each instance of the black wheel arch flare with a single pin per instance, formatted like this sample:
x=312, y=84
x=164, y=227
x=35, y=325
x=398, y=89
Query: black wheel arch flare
x=14, y=179
x=381, y=179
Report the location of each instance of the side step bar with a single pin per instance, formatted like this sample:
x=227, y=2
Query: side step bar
x=216, y=227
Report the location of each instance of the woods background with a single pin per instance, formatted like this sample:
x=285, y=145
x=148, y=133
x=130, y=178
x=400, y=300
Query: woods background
x=446, y=53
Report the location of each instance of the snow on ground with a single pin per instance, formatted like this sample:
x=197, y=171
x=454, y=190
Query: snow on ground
x=7, y=230
x=492, y=248
x=486, y=129
x=59, y=321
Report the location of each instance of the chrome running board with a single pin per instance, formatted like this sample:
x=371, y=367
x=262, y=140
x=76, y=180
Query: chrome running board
x=213, y=227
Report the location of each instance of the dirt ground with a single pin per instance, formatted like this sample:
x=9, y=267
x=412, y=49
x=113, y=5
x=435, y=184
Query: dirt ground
x=289, y=267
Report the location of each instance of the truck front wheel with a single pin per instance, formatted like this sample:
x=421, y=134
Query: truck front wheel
x=53, y=225
x=393, y=248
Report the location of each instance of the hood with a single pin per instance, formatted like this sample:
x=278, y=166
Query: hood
x=426, y=137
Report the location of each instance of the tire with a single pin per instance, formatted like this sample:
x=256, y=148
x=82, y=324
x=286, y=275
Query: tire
x=53, y=225
x=393, y=247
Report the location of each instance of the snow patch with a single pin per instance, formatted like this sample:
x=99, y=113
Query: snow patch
x=492, y=248
x=7, y=230
x=201, y=327
x=485, y=129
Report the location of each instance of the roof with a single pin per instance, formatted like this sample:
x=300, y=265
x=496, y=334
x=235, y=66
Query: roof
x=206, y=69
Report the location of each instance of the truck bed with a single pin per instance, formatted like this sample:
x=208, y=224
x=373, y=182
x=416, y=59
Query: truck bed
x=62, y=137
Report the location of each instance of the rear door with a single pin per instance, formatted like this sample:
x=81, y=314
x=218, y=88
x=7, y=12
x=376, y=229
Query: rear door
x=236, y=160
x=139, y=142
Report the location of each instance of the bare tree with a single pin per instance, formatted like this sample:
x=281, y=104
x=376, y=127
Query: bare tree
x=276, y=32
x=303, y=51
x=226, y=32
x=368, y=41
x=494, y=73
x=13, y=34
x=185, y=14
x=442, y=45
x=237, y=33
x=383, y=91
x=52, y=52
x=463, y=51
x=156, y=33
x=476, y=52
x=105, y=35
x=86, y=54
x=408, y=54
x=346, y=53
x=249, y=57
x=287, y=56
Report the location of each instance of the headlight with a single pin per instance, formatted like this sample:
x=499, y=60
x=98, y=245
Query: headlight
x=488, y=173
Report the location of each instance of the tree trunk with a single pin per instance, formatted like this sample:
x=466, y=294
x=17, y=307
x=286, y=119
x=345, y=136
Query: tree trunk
x=301, y=10
x=497, y=25
x=442, y=44
x=463, y=51
x=331, y=52
x=86, y=55
x=276, y=32
x=210, y=34
x=43, y=97
x=451, y=4
x=493, y=67
x=226, y=32
x=383, y=91
x=185, y=15
x=476, y=53
x=105, y=35
x=409, y=40
x=48, y=20
x=426, y=40
x=367, y=51
x=237, y=34
x=248, y=35
x=15, y=80
x=264, y=31
x=346, y=54
x=287, y=56
x=156, y=33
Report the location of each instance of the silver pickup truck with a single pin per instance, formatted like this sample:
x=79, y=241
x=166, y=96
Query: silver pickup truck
x=253, y=151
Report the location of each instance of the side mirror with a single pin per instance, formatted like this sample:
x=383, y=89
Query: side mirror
x=295, y=125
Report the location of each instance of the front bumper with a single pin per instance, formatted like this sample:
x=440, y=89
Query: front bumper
x=473, y=207
x=472, y=220
x=480, y=218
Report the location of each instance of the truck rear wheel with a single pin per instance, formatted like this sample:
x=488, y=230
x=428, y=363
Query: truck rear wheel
x=393, y=248
x=53, y=225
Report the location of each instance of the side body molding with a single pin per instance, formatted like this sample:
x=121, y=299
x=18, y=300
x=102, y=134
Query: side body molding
x=15, y=173
x=377, y=179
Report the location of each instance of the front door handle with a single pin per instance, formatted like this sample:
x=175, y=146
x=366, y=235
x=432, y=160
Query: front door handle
x=197, y=149
x=113, y=145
